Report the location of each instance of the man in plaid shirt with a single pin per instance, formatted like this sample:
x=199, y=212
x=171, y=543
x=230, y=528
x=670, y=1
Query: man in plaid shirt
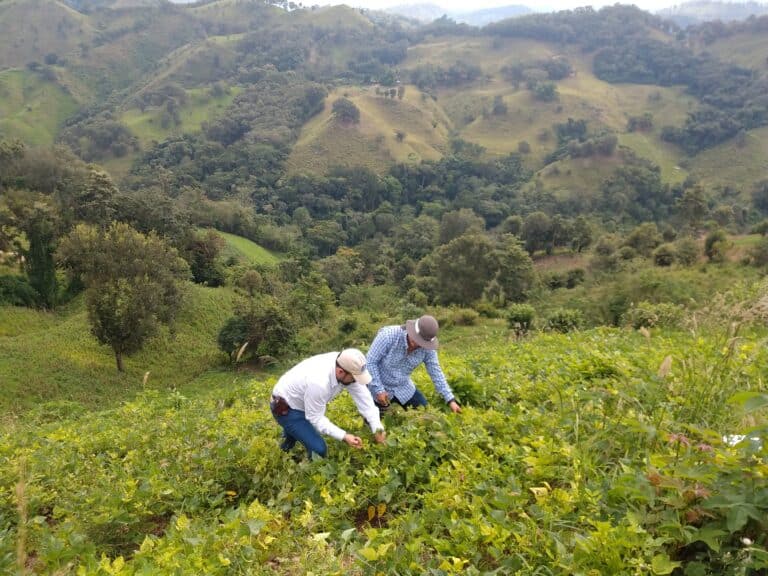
x=395, y=353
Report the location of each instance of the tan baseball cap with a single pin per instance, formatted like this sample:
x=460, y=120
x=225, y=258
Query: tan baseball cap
x=353, y=361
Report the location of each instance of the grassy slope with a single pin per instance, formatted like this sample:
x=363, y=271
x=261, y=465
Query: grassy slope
x=30, y=29
x=32, y=109
x=243, y=249
x=735, y=164
x=45, y=356
x=463, y=111
x=743, y=49
x=325, y=143
x=200, y=108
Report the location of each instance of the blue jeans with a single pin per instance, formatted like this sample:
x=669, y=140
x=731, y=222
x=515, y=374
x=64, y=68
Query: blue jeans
x=296, y=427
x=416, y=401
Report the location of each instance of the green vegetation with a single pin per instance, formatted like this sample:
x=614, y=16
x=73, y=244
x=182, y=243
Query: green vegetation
x=242, y=248
x=588, y=450
x=201, y=107
x=579, y=197
x=31, y=108
x=48, y=358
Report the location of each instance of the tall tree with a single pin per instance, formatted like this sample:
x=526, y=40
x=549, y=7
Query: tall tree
x=132, y=283
x=40, y=224
x=463, y=268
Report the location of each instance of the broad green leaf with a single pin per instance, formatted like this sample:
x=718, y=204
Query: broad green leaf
x=661, y=564
x=347, y=534
x=710, y=536
x=255, y=526
x=369, y=554
x=750, y=401
x=737, y=518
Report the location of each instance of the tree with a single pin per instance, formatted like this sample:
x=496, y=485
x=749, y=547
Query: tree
x=132, y=283
x=644, y=238
x=514, y=269
x=346, y=111
x=582, y=234
x=261, y=322
x=463, y=268
x=458, y=222
x=760, y=196
x=342, y=269
x=39, y=223
x=537, y=232
x=693, y=206
x=204, y=251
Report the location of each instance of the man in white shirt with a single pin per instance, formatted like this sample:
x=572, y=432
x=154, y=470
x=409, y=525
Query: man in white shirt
x=301, y=395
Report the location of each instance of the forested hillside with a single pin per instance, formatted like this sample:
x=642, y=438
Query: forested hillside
x=193, y=197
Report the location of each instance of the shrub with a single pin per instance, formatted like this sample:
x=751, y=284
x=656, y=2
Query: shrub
x=687, y=251
x=565, y=320
x=759, y=252
x=232, y=336
x=664, y=255
x=649, y=315
x=715, y=245
x=487, y=309
x=520, y=317
x=575, y=277
x=16, y=291
x=464, y=317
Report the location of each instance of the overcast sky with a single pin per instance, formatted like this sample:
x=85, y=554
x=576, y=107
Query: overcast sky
x=464, y=6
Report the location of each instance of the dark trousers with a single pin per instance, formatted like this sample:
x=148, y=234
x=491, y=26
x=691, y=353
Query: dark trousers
x=296, y=427
x=416, y=401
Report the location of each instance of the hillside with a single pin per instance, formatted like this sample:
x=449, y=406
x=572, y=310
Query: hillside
x=47, y=359
x=149, y=72
x=604, y=436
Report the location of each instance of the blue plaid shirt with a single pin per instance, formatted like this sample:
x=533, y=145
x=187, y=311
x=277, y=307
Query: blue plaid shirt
x=391, y=365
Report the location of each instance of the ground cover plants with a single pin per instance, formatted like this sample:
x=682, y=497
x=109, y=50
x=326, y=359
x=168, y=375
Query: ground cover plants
x=609, y=450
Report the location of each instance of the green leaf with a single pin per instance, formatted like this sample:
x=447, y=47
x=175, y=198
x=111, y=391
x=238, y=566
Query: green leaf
x=369, y=554
x=347, y=534
x=710, y=536
x=737, y=518
x=750, y=401
x=661, y=564
x=255, y=526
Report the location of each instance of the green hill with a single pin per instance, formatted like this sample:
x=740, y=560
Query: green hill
x=32, y=108
x=52, y=357
x=31, y=30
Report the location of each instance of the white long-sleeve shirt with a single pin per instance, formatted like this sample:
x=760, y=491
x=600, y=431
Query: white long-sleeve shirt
x=311, y=384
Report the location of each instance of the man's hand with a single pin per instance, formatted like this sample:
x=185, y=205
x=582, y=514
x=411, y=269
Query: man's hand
x=454, y=406
x=353, y=441
x=382, y=398
x=380, y=436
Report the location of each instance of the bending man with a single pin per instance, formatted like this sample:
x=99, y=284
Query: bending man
x=395, y=353
x=301, y=395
